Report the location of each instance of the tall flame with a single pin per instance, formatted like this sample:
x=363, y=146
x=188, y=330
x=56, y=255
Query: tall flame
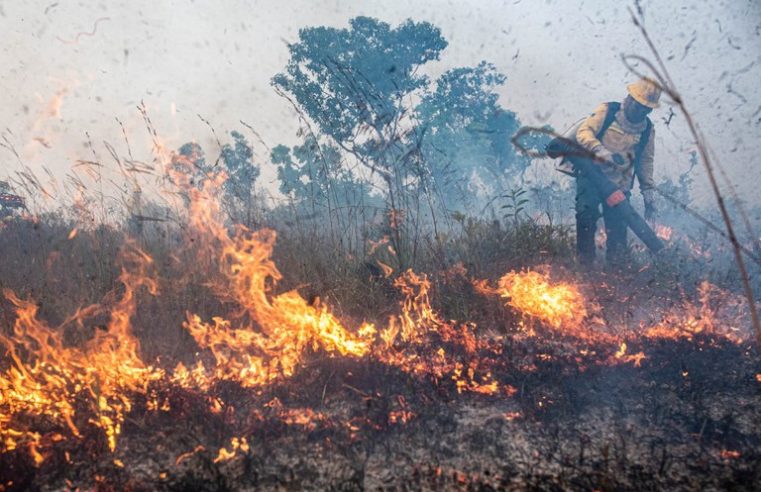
x=268, y=340
x=48, y=383
x=66, y=386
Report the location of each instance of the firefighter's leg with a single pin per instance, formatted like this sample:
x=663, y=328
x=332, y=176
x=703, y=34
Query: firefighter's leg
x=616, y=231
x=587, y=214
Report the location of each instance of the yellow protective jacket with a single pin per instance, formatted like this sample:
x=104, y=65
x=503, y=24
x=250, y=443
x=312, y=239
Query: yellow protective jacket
x=622, y=138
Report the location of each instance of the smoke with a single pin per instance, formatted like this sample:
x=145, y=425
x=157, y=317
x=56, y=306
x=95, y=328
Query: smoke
x=94, y=63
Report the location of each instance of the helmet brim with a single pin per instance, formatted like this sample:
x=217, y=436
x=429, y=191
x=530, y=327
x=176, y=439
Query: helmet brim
x=637, y=97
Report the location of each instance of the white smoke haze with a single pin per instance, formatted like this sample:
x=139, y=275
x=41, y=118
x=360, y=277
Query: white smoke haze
x=401, y=302
x=72, y=68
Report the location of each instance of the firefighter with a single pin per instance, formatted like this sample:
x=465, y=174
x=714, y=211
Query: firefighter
x=621, y=136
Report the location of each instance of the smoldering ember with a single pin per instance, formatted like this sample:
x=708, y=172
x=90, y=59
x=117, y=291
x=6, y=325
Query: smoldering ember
x=384, y=246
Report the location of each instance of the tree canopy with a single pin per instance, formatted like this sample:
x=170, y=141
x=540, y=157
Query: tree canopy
x=364, y=89
x=349, y=79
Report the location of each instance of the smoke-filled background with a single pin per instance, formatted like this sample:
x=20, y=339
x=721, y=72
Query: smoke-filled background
x=300, y=245
x=71, y=68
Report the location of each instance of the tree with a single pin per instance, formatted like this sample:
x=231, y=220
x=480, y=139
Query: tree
x=361, y=89
x=307, y=172
x=467, y=137
x=319, y=187
x=355, y=85
x=188, y=169
x=241, y=177
x=352, y=80
x=189, y=165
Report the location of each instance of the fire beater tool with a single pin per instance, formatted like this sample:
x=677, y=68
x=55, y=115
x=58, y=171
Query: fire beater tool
x=582, y=161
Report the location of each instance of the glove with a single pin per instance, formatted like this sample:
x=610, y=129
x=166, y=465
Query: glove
x=602, y=154
x=605, y=155
x=615, y=198
x=650, y=210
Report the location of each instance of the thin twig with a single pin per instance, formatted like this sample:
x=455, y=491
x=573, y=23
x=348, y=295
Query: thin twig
x=667, y=85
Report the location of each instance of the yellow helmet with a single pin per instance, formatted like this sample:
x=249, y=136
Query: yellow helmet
x=646, y=92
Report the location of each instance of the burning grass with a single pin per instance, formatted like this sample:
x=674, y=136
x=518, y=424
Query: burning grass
x=545, y=385
x=558, y=305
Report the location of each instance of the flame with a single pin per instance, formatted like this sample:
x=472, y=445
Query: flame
x=271, y=333
x=718, y=312
x=417, y=315
x=71, y=387
x=402, y=414
x=534, y=294
x=664, y=232
x=622, y=356
x=236, y=444
x=182, y=457
x=374, y=245
x=729, y=454
x=396, y=217
x=410, y=338
x=282, y=326
x=387, y=270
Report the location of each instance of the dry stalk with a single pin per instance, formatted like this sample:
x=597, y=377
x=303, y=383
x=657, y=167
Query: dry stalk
x=663, y=78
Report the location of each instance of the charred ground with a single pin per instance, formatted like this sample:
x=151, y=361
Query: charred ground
x=568, y=413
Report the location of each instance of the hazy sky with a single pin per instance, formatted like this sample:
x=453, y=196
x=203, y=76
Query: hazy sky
x=71, y=68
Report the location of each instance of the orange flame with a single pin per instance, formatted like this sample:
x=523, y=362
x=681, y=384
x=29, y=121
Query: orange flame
x=269, y=336
x=718, y=312
x=236, y=444
x=283, y=327
x=72, y=387
x=622, y=356
x=557, y=304
x=664, y=232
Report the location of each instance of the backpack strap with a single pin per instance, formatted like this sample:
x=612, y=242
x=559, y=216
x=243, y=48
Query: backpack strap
x=610, y=117
x=644, y=138
x=640, y=149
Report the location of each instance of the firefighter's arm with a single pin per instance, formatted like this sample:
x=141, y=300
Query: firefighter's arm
x=586, y=135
